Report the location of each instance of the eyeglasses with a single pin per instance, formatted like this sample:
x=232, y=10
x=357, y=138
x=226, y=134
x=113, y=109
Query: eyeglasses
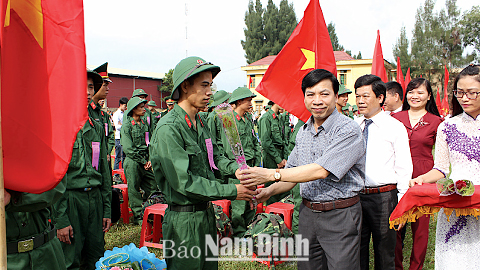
x=197, y=66
x=470, y=95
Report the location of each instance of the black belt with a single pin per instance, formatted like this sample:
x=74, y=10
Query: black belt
x=190, y=207
x=32, y=243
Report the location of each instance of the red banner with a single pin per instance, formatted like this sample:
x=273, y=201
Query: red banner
x=378, y=64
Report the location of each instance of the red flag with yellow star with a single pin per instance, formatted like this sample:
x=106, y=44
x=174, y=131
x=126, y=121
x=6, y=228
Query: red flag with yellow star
x=43, y=90
x=309, y=47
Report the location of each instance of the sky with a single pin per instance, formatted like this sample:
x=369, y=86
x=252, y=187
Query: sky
x=154, y=35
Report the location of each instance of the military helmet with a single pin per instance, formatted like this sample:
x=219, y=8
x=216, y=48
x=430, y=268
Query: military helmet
x=152, y=103
x=97, y=79
x=187, y=68
x=134, y=102
x=219, y=97
x=241, y=93
x=139, y=92
x=343, y=90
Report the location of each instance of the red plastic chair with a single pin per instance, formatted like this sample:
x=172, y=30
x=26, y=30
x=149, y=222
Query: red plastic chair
x=151, y=233
x=121, y=172
x=226, y=205
x=125, y=211
x=282, y=209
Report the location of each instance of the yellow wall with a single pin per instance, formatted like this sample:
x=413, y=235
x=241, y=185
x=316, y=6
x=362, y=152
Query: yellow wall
x=352, y=68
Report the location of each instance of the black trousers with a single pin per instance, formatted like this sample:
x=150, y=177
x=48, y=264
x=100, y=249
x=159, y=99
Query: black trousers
x=376, y=211
x=334, y=238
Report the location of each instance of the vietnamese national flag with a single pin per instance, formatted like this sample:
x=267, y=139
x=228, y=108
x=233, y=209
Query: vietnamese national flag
x=43, y=90
x=438, y=100
x=445, y=106
x=400, y=79
x=407, y=78
x=378, y=64
x=309, y=47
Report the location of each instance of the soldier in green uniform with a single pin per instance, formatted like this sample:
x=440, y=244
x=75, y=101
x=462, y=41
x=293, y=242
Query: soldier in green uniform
x=155, y=114
x=242, y=98
x=342, y=98
x=183, y=158
x=270, y=131
x=95, y=110
x=170, y=102
x=147, y=117
x=135, y=138
x=27, y=218
x=297, y=199
x=82, y=214
x=347, y=110
x=285, y=117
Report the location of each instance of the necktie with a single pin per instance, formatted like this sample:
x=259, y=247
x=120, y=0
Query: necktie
x=367, y=122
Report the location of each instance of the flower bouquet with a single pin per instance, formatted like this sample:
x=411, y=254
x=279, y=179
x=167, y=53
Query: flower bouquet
x=129, y=257
x=447, y=187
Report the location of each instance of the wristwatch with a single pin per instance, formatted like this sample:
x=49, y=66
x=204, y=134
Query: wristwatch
x=277, y=175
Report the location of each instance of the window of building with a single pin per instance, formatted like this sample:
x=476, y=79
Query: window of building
x=343, y=77
x=252, y=81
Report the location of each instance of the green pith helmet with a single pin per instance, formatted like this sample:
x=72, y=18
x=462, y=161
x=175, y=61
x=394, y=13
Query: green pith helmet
x=355, y=108
x=152, y=103
x=219, y=97
x=344, y=108
x=97, y=79
x=343, y=90
x=139, y=92
x=187, y=68
x=134, y=102
x=241, y=93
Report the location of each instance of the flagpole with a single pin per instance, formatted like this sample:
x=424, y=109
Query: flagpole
x=3, y=228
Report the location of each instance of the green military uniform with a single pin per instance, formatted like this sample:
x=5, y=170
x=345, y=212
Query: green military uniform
x=285, y=117
x=349, y=112
x=296, y=190
x=155, y=115
x=27, y=216
x=180, y=154
x=103, y=119
x=87, y=200
x=270, y=130
x=135, y=138
x=241, y=212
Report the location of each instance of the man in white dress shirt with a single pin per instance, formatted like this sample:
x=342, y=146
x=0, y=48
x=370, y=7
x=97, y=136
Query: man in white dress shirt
x=388, y=170
x=117, y=121
x=393, y=98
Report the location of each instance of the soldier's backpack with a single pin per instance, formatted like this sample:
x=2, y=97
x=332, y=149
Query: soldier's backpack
x=154, y=198
x=266, y=223
x=224, y=225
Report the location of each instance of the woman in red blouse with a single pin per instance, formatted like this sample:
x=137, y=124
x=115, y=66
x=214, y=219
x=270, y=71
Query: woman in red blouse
x=420, y=117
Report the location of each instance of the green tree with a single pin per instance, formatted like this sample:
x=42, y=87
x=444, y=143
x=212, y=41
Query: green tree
x=254, y=36
x=470, y=24
x=400, y=49
x=267, y=30
x=167, y=82
x=333, y=37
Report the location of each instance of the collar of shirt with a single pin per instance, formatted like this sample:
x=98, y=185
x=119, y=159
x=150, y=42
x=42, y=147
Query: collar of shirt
x=377, y=119
x=187, y=121
x=327, y=124
x=468, y=118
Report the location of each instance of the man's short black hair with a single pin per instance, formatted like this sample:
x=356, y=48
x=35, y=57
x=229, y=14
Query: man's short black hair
x=317, y=75
x=122, y=101
x=394, y=87
x=271, y=103
x=378, y=86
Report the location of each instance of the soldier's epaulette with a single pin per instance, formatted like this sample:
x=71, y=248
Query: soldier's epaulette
x=133, y=122
x=90, y=120
x=274, y=116
x=92, y=104
x=101, y=112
